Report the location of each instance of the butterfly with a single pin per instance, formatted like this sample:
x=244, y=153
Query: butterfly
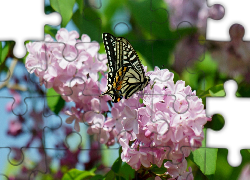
x=126, y=75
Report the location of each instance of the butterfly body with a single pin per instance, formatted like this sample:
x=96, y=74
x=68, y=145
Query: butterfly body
x=126, y=75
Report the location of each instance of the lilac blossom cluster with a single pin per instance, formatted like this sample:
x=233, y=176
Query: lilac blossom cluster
x=163, y=122
x=70, y=66
x=167, y=125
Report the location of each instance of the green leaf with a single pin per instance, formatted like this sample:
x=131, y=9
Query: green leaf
x=50, y=30
x=48, y=9
x=127, y=171
x=217, y=122
x=80, y=5
x=243, y=89
x=75, y=174
x=156, y=24
x=218, y=93
x=159, y=170
x=97, y=177
x=110, y=175
x=119, y=178
x=65, y=8
x=89, y=23
x=117, y=165
x=205, y=158
x=4, y=52
x=55, y=101
x=217, y=90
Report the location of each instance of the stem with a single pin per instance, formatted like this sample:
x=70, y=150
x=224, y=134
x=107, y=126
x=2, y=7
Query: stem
x=6, y=83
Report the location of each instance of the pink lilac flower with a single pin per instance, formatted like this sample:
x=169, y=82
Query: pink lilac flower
x=164, y=127
x=67, y=37
x=11, y=105
x=245, y=173
x=157, y=178
x=169, y=117
x=130, y=119
x=86, y=45
x=15, y=127
x=74, y=115
x=179, y=170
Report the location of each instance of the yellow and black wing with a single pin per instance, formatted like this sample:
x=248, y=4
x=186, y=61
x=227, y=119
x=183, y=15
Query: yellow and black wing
x=126, y=75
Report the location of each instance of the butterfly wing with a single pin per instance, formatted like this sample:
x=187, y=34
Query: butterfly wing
x=110, y=48
x=126, y=75
x=128, y=81
x=130, y=57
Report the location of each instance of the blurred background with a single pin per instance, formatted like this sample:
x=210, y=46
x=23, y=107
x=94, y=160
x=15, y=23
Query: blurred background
x=165, y=33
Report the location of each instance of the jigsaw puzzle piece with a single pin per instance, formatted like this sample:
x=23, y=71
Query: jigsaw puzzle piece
x=200, y=73
x=229, y=108
x=219, y=30
x=26, y=163
x=189, y=49
x=155, y=10
x=189, y=19
x=43, y=61
x=28, y=131
x=69, y=47
x=194, y=12
x=67, y=155
x=91, y=22
x=231, y=56
x=78, y=153
x=89, y=50
x=156, y=22
x=33, y=29
x=21, y=83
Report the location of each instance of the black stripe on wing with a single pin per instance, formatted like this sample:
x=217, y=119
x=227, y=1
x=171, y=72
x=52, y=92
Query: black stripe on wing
x=130, y=57
x=109, y=42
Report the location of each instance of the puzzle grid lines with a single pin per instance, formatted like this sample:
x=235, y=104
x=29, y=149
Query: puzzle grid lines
x=34, y=105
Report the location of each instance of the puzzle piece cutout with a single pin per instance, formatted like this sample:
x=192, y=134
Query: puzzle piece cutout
x=235, y=62
x=20, y=29
x=154, y=21
x=26, y=168
x=28, y=130
x=218, y=30
x=76, y=152
x=149, y=24
x=234, y=135
x=39, y=61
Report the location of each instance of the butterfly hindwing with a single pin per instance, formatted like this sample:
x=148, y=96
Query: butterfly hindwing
x=131, y=82
x=126, y=75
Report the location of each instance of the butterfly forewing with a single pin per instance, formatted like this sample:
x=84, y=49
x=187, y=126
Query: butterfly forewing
x=126, y=75
x=110, y=48
x=130, y=57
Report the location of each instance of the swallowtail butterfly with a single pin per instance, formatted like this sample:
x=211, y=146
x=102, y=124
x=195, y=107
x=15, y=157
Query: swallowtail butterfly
x=126, y=75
